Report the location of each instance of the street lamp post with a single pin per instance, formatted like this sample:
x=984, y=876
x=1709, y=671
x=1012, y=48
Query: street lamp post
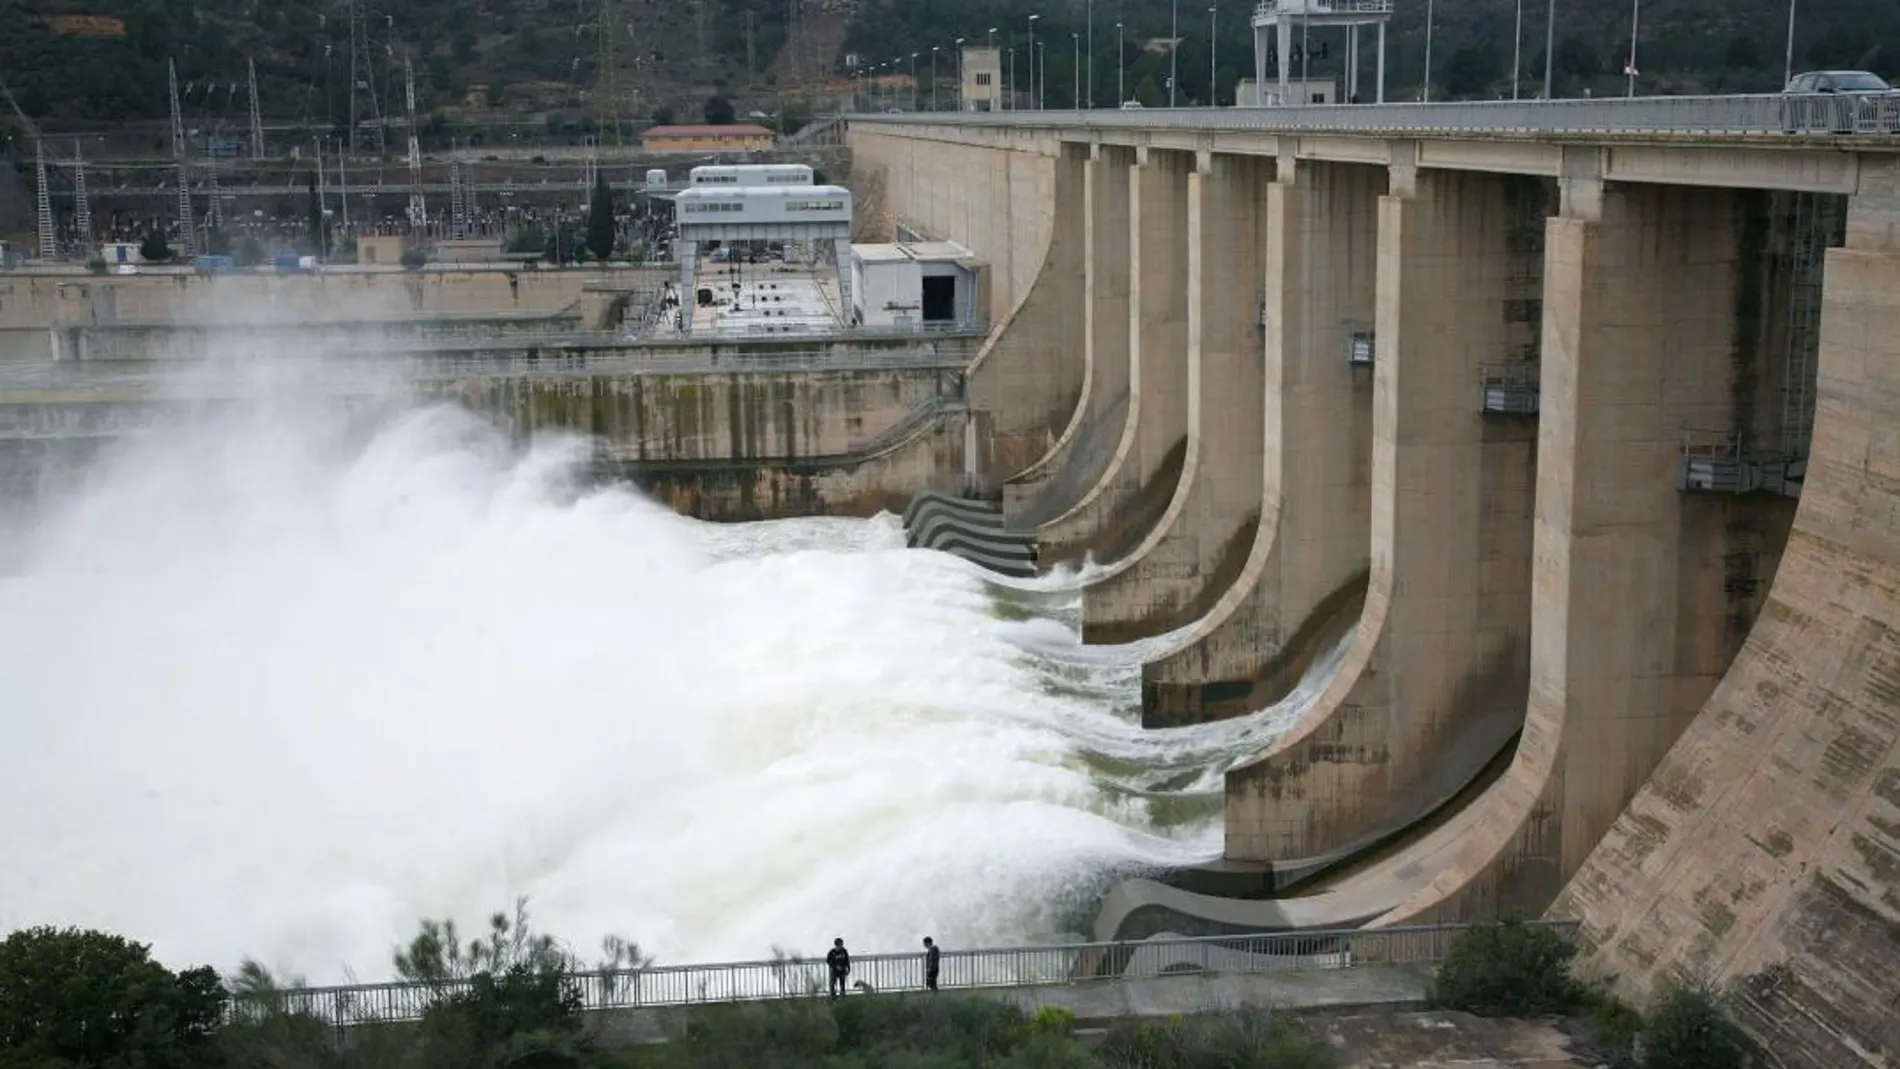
x=1629, y=69
x=1011, y=92
x=1032, y=61
x=1550, y=48
x=1091, y=54
x=913, y=80
x=1428, y=51
x=1517, y=48
x=1787, y=65
x=1213, y=57
x=962, y=105
x=1174, y=48
x=1121, y=66
x=1078, y=70
x=933, y=77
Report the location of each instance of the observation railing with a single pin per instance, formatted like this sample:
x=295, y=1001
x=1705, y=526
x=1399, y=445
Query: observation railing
x=1778, y=114
x=1035, y=966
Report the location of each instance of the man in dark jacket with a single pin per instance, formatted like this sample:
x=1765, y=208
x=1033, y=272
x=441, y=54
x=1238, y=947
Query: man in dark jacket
x=932, y=955
x=839, y=960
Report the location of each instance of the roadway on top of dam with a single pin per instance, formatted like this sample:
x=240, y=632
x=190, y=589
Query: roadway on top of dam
x=1773, y=118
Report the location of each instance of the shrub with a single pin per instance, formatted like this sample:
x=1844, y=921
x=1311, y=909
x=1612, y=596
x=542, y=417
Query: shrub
x=413, y=259
x=1053, y=1020
x=1509, y=969
x=1228, y=1041
x=96, y=266
x=1688, y=1028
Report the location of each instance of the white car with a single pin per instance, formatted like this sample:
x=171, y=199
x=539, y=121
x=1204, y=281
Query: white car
x=1131, y=105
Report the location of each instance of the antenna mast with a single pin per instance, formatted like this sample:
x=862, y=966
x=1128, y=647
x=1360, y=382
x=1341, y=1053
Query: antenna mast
x=187, y=229
x=257, y=118
x=418, y=212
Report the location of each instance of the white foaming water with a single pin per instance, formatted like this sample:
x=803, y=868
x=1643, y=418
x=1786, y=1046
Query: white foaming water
x=280, y=689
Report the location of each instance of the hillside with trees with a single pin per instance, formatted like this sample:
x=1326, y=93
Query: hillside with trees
x=105, y=60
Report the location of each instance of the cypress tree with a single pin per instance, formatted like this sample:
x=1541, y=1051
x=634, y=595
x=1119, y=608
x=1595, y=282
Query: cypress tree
x=600, y=219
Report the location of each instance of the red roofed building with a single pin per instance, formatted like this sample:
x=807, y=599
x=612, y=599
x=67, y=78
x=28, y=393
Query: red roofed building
x=734, y=137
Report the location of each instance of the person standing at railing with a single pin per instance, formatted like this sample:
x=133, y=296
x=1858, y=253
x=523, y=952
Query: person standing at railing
x=932, y=956
x=839, y=961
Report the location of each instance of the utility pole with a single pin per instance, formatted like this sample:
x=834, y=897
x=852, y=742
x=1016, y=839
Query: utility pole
x=418, y=211
x=257, y=117
x=187, y=229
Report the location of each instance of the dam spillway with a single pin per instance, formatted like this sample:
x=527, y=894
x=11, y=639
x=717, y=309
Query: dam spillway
x=375, y=672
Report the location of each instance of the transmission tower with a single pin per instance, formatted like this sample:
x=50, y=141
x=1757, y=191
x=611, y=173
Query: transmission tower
x=187, y=229
x=82, y=205
x=418, y=212
x=257, y=118
x=604, y=76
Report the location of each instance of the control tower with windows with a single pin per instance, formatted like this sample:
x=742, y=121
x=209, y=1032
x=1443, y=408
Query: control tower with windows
x=1286, y=29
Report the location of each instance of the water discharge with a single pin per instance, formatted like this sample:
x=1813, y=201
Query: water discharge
x=279, y=685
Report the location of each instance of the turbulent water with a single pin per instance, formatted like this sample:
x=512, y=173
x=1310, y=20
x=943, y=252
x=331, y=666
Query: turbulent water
x=279, y=687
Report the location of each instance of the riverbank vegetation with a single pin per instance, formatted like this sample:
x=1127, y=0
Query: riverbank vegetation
x=511, y=998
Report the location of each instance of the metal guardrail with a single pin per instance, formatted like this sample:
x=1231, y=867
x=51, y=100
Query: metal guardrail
x=1040, y=966
x=1812, y=115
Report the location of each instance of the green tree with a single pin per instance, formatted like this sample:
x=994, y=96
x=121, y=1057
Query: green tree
x=1510, y=969
x=664, y=115
x=1688, y=1028
x=719, y=111
x=80, y=998
x=600, y=219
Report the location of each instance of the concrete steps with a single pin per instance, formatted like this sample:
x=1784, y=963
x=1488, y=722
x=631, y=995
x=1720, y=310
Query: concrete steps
x=973, y=530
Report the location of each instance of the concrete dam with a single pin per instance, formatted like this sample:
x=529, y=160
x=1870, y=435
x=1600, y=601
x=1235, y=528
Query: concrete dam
x=1540, y=480
x=1350, y=517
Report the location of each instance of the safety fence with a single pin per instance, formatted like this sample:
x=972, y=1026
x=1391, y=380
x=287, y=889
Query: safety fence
x=1034, y=966
x=1807, y=114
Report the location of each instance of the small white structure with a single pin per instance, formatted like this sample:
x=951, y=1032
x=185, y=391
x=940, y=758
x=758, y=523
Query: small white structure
x=1279, y=24
x=121, y=252
x=913, y=285
x=981, y=78
x=752, y=176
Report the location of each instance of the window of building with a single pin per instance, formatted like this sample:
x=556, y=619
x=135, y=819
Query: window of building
x=982, y=77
